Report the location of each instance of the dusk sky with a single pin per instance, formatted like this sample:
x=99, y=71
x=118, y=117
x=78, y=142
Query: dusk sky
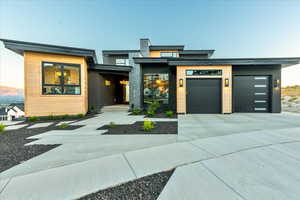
x=234, y=28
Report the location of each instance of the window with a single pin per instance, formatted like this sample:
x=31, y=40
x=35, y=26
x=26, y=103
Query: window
x=204, y=72
x=156, y=87
x=168, y=54
x=60, y=79
x=122, y=61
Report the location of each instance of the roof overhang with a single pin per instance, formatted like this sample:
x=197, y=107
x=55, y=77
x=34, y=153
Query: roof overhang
x=209, y=52
x=111, y=68
x=284, y=62
x=166, y=47
x=118, y=52
x=20, y=47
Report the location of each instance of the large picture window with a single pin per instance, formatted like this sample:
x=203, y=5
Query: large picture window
x=60, y=79
x=156, y=88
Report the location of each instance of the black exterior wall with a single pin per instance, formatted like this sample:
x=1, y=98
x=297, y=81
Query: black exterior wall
x=100, y=95
x=161, y=68
x=274, y=71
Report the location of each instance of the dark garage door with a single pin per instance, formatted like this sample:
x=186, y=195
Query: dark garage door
x=251, y=94
x=203, y=96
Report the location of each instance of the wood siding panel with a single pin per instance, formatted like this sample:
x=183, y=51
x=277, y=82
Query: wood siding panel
x=37, y=104
x=226, y=91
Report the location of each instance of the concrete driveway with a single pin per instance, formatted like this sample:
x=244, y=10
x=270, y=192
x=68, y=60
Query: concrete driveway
x=255, y=156
x=194, y=126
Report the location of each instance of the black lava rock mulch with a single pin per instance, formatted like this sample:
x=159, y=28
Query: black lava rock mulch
x=12, y=149
x=157, y=115
x=137, y=129
x=146, y=188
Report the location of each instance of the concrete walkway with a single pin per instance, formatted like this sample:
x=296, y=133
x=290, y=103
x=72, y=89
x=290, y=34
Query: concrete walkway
x=259, y=164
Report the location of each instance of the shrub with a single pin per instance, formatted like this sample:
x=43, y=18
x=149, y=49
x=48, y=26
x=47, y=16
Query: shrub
x=154, y=105
x=63, y=125
x=136, y=111
x=169, y=113
x=112, y=125
x=148, y=125
x=66, y=116
x=33, y=119
x=79, y=116
x=2, y=127
x=50, y=117
x=150, y=113
x=292, y=99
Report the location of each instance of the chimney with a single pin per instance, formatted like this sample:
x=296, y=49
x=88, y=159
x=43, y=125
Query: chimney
x=144, y=47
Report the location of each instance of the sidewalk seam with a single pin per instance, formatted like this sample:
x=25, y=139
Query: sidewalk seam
x=227, y=185
x=5, y=185
x=129, y=165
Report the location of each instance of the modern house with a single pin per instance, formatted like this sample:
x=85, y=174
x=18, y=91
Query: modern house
x=12, y=111
x=65, y=80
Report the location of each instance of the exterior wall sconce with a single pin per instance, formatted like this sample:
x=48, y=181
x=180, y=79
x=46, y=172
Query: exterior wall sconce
x=181, y=82
x=107, y=83
x=226, y=82
x=276, y=83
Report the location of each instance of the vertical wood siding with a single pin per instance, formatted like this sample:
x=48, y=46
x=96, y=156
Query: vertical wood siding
x=37, y=104
x=226, y=91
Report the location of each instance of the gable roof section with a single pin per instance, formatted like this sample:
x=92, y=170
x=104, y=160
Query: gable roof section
x=285, y=62
x=20, y=46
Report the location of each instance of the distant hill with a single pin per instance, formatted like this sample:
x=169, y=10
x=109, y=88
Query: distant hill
x=11, y=95
x=291, y=91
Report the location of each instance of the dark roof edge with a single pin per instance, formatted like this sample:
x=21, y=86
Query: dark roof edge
x=116, y=52
x=107, y=67
x=166, y=47
x=149, y=60
x=20, y=46
x=206, y=51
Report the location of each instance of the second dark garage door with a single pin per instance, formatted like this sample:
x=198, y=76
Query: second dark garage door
x=251, y=93
x=203, y=95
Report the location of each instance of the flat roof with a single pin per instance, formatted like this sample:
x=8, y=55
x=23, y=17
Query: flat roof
x=20, y=46
x=208, y=52
x=107, y=67
x=166, y=47
x=285, y=62
x=118, y=52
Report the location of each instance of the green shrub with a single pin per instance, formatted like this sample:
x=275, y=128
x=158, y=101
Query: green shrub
x=169, y=113
x=63, y=125
x=154, y=105
x=136, y=111
x=148, y=125
x=33, y=119
x=150, y=113
x=292, y=99
x=66, y=116
x=80, y=116
x=50, y=117
x=2, y=127
x=112, y=125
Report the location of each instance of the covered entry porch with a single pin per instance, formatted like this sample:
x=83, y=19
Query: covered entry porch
x=108, y=85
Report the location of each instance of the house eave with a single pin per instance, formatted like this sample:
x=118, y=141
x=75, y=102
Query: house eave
x=20, y=47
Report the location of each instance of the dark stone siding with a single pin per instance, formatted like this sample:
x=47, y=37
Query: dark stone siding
x=271, y=70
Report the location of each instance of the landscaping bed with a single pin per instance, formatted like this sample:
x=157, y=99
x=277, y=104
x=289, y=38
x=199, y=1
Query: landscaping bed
x=12, y=149
x=156, y=115
x=167, y=127
x=57, y=119
x=146, y=188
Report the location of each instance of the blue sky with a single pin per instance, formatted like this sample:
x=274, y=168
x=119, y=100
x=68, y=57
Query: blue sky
x=235, y=28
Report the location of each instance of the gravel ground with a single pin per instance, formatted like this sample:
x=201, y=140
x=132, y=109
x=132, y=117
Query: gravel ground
x=137, y=128
x=291, y=104
x=13, y=151
x=146, y=188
